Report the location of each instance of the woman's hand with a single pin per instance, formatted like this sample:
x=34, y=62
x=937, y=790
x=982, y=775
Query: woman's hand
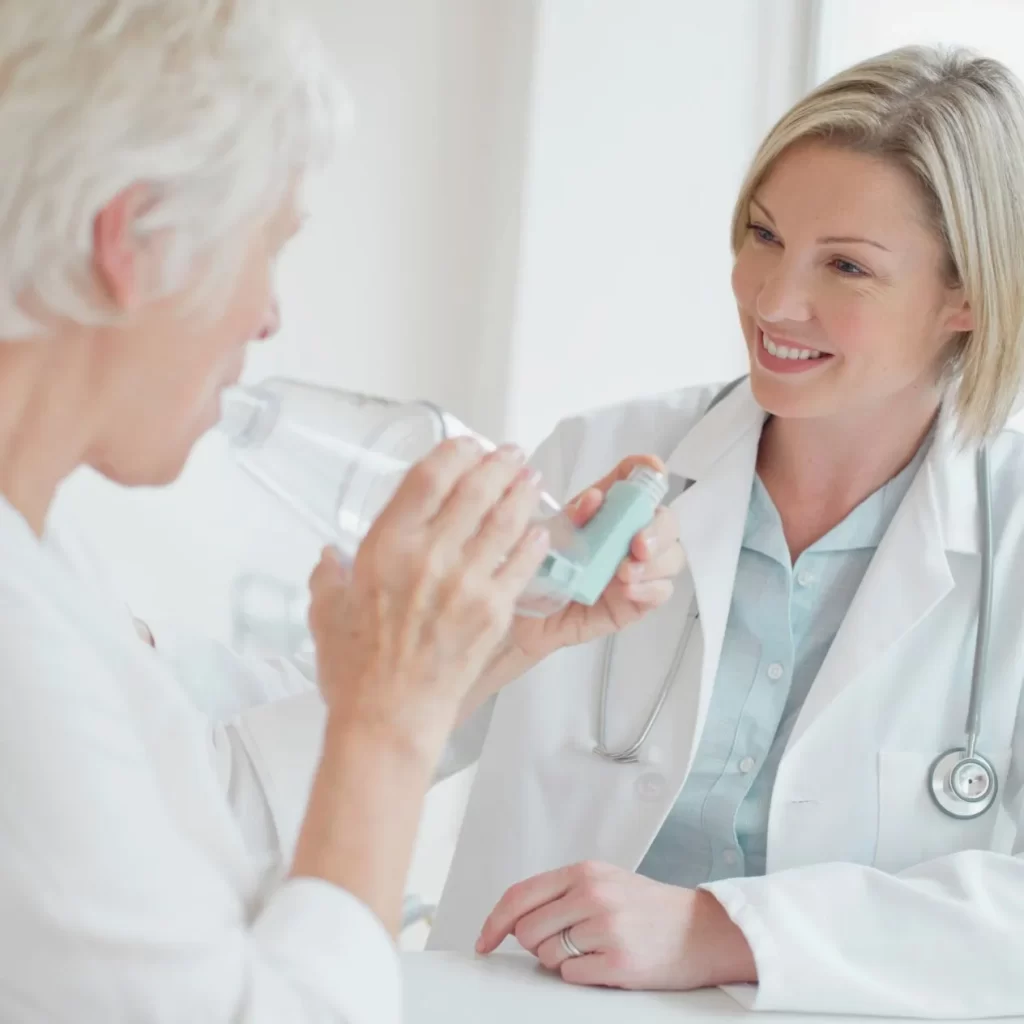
x=643, y=582
x=401, y=639
x=633, y=933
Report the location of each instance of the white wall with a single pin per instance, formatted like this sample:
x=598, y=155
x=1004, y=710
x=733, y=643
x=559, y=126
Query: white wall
x=644, y=116
x=851, y=32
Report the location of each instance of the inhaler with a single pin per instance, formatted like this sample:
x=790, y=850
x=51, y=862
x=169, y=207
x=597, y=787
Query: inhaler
x=336, y=458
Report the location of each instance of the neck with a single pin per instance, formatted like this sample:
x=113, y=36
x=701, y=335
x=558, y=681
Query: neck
x=831, y=465
x=44, y=426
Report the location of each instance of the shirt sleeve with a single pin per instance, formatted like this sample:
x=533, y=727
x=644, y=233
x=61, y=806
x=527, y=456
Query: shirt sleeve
x=940, y=940
x=266, y=719
x=125, y=900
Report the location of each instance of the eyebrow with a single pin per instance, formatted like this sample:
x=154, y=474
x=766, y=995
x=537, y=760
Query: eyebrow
x=829, y=239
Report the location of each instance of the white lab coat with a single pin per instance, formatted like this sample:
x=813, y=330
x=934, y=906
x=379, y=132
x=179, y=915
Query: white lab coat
x=875, y=902
x=140, y=844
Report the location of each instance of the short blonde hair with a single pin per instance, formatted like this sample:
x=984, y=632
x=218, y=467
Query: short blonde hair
x=216, y=105
x=955, y=122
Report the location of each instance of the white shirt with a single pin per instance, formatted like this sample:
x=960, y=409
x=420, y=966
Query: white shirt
x=141, y=842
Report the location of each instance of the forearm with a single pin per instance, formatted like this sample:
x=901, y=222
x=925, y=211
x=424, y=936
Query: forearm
x=364, y=812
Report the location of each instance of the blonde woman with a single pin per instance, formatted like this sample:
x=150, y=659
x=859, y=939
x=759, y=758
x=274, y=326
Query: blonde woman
x=776, y=826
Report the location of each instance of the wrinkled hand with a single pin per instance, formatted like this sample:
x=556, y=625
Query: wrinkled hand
x=643, y=582
x=401, y=638
x=634, y=933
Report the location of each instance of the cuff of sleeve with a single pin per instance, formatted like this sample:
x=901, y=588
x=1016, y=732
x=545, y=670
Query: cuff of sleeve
x=334, y=946
x=762, y=945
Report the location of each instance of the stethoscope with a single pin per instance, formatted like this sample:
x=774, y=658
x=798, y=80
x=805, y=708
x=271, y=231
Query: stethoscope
x=962, y=783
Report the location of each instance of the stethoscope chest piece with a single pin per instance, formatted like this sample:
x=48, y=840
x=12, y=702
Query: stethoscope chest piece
x=963, y=786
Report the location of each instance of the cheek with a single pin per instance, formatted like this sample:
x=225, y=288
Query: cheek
x=745, y=281
x=869, y=329
x=250, y=305
x=850, y=326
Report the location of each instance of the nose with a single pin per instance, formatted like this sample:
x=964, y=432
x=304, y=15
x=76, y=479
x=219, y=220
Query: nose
x=271, y=322
x=784, y=295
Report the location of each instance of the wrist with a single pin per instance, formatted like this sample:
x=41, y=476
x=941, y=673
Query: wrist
x=404, y=738
x=728, y=958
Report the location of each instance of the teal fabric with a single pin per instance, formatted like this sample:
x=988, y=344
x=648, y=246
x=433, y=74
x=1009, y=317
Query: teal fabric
x=782, y=621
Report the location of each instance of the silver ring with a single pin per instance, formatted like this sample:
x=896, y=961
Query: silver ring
x=570, y=947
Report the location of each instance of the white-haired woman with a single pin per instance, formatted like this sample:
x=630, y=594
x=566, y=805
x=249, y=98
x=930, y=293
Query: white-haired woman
x=778, y=824
x=152, y=150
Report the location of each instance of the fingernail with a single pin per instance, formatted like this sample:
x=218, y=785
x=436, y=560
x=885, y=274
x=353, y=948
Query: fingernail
x=539, y=537
x=480, y=944
x=637, y=571
x=650, y=543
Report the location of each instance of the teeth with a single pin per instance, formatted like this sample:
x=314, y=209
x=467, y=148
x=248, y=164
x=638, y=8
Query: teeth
x=782, y=352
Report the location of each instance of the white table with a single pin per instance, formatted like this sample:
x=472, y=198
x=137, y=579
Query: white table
x=449, y=988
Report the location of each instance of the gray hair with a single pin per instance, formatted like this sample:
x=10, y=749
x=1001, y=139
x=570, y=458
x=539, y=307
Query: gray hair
x=215, y=105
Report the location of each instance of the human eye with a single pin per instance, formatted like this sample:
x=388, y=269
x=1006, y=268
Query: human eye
x=847, y=268
x=762, y=234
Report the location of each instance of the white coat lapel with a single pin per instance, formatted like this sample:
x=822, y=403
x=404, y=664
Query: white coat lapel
x=908, y=576
x=719, y=455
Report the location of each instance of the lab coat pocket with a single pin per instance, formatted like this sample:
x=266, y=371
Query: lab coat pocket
x=911, y=828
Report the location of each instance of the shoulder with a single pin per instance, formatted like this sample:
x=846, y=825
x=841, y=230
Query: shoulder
x=586, y=446
x=49, y=660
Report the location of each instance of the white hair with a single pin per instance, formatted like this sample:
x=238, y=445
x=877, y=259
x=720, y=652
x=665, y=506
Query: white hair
x=215, y=105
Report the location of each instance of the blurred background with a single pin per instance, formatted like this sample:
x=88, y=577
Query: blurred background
x=529, y=218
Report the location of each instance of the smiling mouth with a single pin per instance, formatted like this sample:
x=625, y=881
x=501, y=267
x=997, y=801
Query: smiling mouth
x=790, y=351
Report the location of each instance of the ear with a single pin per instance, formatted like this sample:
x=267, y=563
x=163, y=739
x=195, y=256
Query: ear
x=961, y=318
x=119, y=252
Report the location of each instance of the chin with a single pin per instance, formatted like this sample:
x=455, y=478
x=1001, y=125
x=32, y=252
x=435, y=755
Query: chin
x=789, y=399
x=157, y=471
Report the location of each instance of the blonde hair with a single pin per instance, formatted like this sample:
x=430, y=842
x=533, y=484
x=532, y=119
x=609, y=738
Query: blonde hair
x=955, y=122
x=216, y=105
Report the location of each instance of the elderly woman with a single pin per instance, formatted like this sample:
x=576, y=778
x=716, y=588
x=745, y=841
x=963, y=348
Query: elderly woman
x=152, y=151
x=797, y=810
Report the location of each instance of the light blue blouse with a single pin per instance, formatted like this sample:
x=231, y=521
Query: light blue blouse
x=782, y=621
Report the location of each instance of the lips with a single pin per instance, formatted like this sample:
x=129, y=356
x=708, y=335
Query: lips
x=786, y=356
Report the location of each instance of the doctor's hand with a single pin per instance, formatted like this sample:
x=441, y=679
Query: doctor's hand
x=643, y=582
x=633, y=933
x=401, y=639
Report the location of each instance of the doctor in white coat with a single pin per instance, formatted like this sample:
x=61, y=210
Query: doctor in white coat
x=776, y=831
